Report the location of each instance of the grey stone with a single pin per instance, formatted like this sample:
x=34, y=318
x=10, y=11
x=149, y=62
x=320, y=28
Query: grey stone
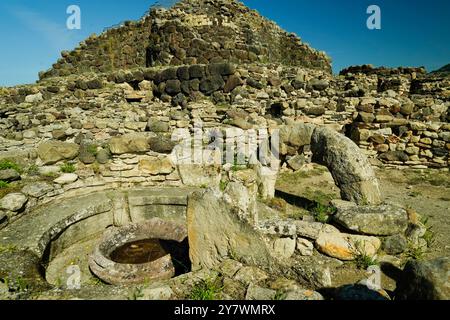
x=13, y=202
x=315, y=110
x=296, y=135
x=223, y=69
x=211, y=84
x=196, y=71
x=395, y=244
x=53, y=151
x=319, y=85
x=34, y=98
x=161, y=144
x=425, y=280
x=129, y=143
x=250, y=274
x=254, y=83
x=9, y=175
x=230, y=267
x=103, y=156
x=380, y=220
x=233, y=81
x=66, y=178
x=278, y=227
x=86, y=156
x=312, y=230
x=394, y=156
x=255, y=292
x=305, y=247
x=349, y=167
x=155, y=125
x=94, y=84
x=173, y=87
x=37, y=189
x=297, y=162
x=284, y=248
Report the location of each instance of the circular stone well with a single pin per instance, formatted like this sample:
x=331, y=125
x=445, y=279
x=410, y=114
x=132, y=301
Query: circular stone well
x=139, y=252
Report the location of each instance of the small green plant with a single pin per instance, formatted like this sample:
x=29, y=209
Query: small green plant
x=204, y=186
x=95, y=281
x=136, y=293
x=429, y=236
x=33, y=170
x=322, y=213
x=280, y=295
x=96, y=168
x=8, y=164
x=237, y=165
x=18, y=284
x=362, y=259
x=223, y=185
x=208, y=289
x=3, y=184
x=7, y=248
x=68, y=168
x=92, y=149
x=415, y=252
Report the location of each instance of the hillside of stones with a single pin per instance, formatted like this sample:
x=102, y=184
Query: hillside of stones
x=89, y=148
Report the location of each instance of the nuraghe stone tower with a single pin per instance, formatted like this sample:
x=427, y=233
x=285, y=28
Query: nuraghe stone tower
x=192, y=31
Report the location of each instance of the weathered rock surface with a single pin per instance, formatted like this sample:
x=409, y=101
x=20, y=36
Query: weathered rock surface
x=37, y=189
x=425, y=280
x=255, y=292
x=349, y=167
x=215, y=233
x=346, y=246
x=305, y=247
x=9, y=175
x=381, y=220
x=53, y=151
x=66, y=178
x=284, y=248
x=129, y=143
x=13, y=202
x=395, y=244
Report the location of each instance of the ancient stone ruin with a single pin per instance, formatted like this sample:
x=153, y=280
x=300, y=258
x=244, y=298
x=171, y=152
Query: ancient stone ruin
x=146, y=163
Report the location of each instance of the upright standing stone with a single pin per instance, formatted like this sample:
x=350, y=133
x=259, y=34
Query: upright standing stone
x=349, y=167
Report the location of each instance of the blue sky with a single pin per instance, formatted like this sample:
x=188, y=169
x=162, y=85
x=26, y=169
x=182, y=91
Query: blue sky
x=414, y=32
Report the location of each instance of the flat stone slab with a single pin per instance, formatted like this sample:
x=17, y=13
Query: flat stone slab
x=378, y=220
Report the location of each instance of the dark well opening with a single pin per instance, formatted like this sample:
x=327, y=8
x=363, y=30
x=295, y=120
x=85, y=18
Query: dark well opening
x=276, y=110
x=148, y=250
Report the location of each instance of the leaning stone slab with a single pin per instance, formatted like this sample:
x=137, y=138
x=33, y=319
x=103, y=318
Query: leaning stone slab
x=349, y=167
x=216, y=233
x=381, y=220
